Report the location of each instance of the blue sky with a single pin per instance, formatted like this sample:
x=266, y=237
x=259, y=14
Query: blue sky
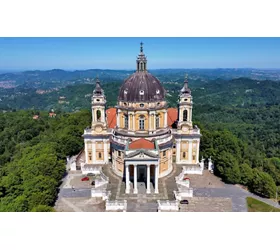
x=120, y=53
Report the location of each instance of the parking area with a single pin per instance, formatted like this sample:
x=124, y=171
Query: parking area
x=80, y=204
x=207, y=180
x=75, y=181
x=206, y=204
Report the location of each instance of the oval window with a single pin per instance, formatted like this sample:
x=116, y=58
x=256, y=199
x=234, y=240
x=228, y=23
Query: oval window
x=142, y=105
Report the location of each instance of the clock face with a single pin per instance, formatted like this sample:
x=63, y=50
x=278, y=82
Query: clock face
x=185, y=128
x=98, y=129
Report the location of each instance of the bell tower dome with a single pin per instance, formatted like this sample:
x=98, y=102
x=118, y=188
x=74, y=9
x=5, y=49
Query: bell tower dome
x=98, y=104
x=185, y=106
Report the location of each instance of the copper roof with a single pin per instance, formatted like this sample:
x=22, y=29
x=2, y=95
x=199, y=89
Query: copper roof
x=142, y=143
x=172, y=116
x=111, y=117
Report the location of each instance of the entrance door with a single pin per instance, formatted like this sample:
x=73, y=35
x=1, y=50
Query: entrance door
x=141, y=173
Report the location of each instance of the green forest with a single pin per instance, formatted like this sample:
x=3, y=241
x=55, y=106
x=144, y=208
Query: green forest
x=239, y=121
x=33, y=156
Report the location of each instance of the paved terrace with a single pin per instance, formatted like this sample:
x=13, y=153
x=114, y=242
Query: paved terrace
x=210, y=193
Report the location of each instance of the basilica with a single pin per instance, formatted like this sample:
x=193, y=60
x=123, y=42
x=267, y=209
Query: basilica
x=141, y=137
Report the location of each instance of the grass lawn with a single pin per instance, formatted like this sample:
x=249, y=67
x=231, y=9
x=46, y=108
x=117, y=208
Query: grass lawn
x=259, y=206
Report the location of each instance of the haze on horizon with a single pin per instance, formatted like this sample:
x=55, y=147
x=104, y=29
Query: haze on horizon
x=20, y=54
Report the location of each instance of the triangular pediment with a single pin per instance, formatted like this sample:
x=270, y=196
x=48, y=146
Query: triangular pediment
x=142, y=154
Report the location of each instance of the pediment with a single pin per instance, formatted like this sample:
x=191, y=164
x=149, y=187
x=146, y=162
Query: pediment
x=142, y=154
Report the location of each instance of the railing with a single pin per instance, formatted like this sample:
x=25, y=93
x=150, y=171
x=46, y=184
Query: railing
x=121, y=140
x=87, y=131
x=183, y=193
x=103, y=176
x=168, y=205
x=183, y=183
x=193, y=170
x=102, y=193
x=179, y=177
x=116, y=205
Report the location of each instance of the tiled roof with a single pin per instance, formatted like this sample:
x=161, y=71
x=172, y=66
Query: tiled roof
x=111, y=117
x=142, y=143
x=172, y=116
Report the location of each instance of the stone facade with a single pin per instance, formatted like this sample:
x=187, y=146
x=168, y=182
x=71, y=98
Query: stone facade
x=141, y=134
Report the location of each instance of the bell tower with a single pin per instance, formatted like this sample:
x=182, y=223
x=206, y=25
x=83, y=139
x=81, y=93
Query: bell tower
x=141, y=61
x=98, y=104
x=185, y=108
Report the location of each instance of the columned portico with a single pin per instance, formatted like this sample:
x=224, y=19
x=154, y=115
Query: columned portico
x=138, y=167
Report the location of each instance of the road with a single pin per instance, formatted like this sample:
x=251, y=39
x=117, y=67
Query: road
x=237, y=195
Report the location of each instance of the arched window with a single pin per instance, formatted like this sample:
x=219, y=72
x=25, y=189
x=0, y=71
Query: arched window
x=126, y=121
x=184, y=155
x=157, y=121
x=185, y=115
x=98, y=115
x=142, y=122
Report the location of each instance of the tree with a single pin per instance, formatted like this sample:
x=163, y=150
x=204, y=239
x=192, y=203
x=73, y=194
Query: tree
x=246, y=174
x=42, y=208
x=262, y=184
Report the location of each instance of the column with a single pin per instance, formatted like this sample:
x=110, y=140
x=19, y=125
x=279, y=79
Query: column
x=197, y=152
x=105, y=151
x=135, y=191
x=148, y=180
x=93, y=151
x=86, y=152
x=127, y=187
x=165, y=119
x=190, y=152
x=156, y=178
x=128, y=121
x=133, y=117
x=118, y=119
x=178, y=151
x=150, y=122
x=102, y=115
x=93, y=115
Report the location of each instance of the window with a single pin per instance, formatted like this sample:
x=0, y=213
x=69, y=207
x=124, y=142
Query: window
x=97, y=100
x=193, y=157
x=142, y=122
x=141, y=92
x=142, y=105
x=157, y=121
x=185, y=115
x=98, y=115
x=119, y=153
x=164, y=153
x=89, y=156
x=184, y=154
x=99, y=155
x=124, y=103
x=126, y=121
x=185, y=100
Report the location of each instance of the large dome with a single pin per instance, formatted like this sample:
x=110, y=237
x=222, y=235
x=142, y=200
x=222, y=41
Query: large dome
x=141, y=87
